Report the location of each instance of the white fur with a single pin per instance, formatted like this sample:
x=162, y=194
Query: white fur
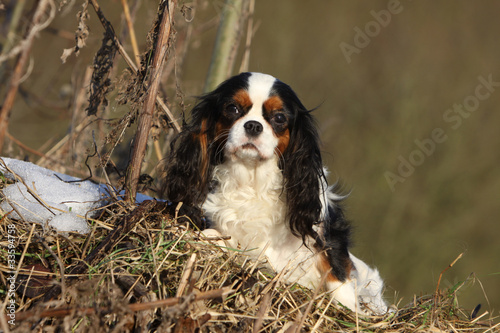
x=369, y=285
x=249, y=205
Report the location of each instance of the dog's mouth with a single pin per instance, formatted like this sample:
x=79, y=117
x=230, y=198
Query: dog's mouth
x=248, y=151
x=249, y=145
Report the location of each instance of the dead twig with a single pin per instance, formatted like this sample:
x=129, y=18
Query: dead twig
x=131, y=30
x=186, y=275
x=108, y=27
x=447, y=268
x=146, y=115
x=62, y=312
x=436, y=293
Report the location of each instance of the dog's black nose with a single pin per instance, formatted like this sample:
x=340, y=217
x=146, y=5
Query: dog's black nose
x=253, y=128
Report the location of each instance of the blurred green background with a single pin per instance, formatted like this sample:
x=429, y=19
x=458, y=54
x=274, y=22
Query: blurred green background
x=424, y=59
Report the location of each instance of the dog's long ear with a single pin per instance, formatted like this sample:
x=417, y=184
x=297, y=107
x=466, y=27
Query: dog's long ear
x=302, y=169
x=188, y=168
x=307, y=194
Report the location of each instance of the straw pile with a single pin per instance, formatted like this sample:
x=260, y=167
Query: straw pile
x=158, y=274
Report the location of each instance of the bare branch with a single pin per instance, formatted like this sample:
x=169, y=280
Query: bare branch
x=146, y=115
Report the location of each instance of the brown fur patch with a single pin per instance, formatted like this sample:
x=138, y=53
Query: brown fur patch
x=273, y=103
x=243, y=99
x=283, y=141
x=203, y=142
x=324, y=268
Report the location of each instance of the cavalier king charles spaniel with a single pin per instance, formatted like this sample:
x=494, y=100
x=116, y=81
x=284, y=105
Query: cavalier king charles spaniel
x=250, y=159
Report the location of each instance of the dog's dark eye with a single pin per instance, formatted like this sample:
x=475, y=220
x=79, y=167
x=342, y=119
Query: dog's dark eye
x=232, y=109
x=279, y=118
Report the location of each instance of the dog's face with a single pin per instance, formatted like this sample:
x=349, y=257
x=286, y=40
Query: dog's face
x=254, y=120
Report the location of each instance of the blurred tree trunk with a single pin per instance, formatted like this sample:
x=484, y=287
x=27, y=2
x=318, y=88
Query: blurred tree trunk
x=226, y=43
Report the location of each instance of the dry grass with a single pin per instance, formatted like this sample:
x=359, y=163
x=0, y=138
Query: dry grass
x=162, y=276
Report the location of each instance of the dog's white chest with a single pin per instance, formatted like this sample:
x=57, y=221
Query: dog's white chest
x=247, y=203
